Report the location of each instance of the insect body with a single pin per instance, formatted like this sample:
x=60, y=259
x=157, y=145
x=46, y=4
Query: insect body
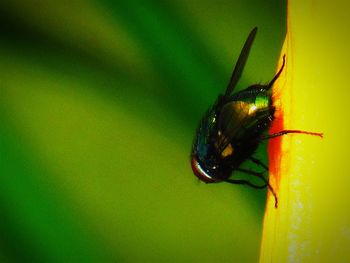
x=232, y=129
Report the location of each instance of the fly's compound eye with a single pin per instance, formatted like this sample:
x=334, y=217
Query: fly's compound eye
x=200, y=172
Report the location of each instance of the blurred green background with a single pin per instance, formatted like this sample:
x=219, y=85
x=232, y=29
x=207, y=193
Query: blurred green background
x=99, y=101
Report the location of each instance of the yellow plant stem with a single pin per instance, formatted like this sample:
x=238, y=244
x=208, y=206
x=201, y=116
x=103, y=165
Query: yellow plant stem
x=311, y=175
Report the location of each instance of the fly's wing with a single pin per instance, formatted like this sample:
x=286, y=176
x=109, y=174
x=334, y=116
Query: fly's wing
x=240, y=121
x=237, y=72
x=233, y=117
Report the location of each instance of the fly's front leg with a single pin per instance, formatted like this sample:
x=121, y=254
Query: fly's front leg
x=260, y=175
x=235, y=181
x=258, y=162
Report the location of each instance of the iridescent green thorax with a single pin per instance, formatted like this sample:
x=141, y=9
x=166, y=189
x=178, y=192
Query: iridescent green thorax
x=262, y=101
x=252, y=101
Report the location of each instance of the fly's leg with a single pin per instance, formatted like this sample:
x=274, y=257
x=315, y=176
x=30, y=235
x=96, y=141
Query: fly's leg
x=277, y=75
x=258, y=162
x=284, y=132
x=260, y=175
x=235, y=181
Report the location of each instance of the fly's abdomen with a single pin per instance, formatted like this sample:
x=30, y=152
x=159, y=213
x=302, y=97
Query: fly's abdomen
x=247, y=116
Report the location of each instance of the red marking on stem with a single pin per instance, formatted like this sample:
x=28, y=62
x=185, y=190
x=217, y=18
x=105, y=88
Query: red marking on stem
x=274, y=149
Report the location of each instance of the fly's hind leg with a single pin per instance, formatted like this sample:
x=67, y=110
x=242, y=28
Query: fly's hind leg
x=258, y=87
x=269, y=86
x=284, y=132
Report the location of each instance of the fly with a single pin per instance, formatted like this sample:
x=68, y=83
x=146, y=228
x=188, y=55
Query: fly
x=232, y=129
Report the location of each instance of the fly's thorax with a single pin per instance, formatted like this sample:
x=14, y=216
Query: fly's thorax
x=253, y=99
x=263, y=102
